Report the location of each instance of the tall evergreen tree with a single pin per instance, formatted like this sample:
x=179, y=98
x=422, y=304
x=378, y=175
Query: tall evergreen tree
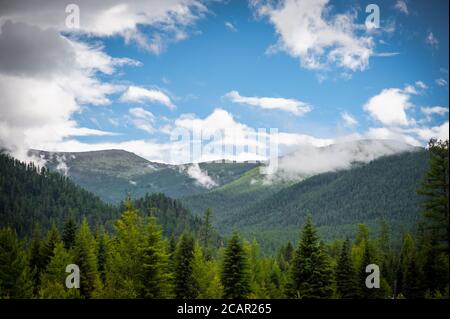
x=15, y=276
x=85, y=258
x=311, y=272
x=155, y=278
x=69, y=233
x=206, y=230
x=435, y=189
x=185, y=285
x=54, y=277
x=36, y=258
x=53, y=238
x=345, y=274
x=235, y=270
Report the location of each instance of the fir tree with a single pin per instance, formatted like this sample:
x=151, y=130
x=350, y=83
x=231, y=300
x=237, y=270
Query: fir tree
x=36, y=258
x=53, y=238
x=69, y=233
x=311, y=272
x=185, y=285
x=54, y=277
x=345, y=274
x=85, y=258
x=156, y=278
x=235, y=270
x=15, y=277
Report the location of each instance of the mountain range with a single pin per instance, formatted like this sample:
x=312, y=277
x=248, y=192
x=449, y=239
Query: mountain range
x=340, y=186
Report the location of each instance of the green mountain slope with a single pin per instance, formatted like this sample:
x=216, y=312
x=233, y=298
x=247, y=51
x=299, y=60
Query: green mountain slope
x=383, y=189
x=30, y=196
x=112, y=174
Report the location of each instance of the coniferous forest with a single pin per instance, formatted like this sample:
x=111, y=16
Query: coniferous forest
x=153, y=247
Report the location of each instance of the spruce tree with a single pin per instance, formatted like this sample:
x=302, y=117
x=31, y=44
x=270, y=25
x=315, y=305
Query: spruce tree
x=235, y=270
x=155, y=277
x=206, y=231
x=185, y=285
x=69, y=233
x=16, y=280
x=53, y=278
x=85, y=258
x=36, y=258
x=311, y=271
x=345, y=274
x=53, y=238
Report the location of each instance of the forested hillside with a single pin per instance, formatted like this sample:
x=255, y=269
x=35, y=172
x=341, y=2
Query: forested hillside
x=384, y=189
x=33, y=197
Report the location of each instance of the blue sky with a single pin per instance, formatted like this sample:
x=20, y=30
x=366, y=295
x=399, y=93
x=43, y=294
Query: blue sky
x=312, y=83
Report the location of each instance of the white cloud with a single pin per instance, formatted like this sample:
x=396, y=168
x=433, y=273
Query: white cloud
x=401, y=6
x=434, y=110
x=201, y=177
x=441, y=82
x=54, y=80
x=421, y=85
x=142, y=95
x=439, y=132
x=390, y=105
x=307, y=31
x=348, y=119
x=170, y=20
x=293, y=106
x=230, y=26
x=308, y=160
x=142, y=119
x=431, y=40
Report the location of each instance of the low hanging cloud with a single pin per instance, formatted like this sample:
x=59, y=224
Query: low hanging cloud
x=307, y=160
x=293, y=106
x=201, y=177
x=143, y=95
x=308, y=31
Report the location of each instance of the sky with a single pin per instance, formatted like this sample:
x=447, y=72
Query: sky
x=144, y=76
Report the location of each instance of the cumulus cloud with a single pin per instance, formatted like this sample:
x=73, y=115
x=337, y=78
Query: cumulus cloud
x=201, y=177
x=390, y=105
x=293, y=106
x=308, y=31
x=142, y=95
x=169, y=20
x=54, y=81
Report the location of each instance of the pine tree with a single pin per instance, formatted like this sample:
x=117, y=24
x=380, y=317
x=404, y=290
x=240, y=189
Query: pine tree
x=54, y=277
x=124, y=265
x=235, y=270
x=412, y=280
x=53, y=238
x=345, y=274
x=85, y=258
x=15, y=276
x=36, y=258
x=102, y=254
x=69, y=233
x=185, y=285
x=435, y=188
x=206, y=231
x=155, y=278
x=311, y=272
